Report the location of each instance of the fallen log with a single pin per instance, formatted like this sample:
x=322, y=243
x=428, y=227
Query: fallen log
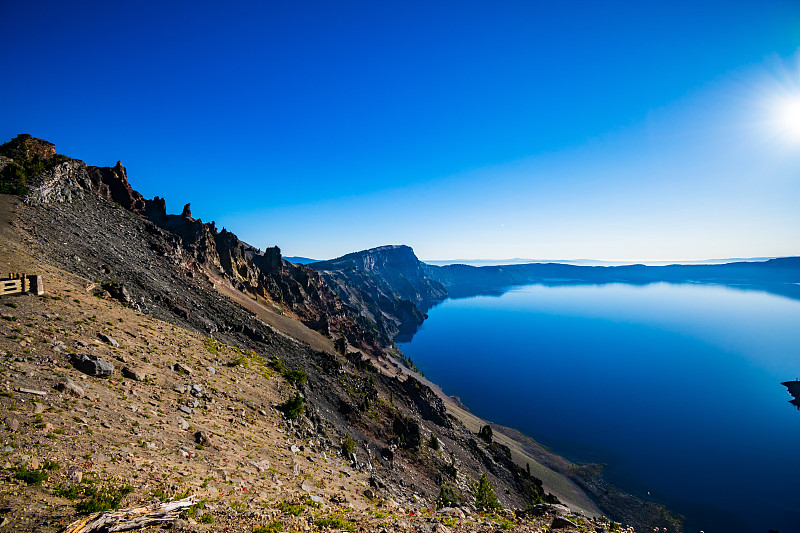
x=128, y=519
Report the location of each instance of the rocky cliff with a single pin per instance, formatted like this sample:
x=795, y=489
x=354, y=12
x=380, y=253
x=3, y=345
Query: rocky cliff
x=387, y=284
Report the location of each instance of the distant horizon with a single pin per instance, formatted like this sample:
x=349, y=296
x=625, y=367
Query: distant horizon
x=577, y=262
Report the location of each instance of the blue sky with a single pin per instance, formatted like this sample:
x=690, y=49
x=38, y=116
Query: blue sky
x=560, y=130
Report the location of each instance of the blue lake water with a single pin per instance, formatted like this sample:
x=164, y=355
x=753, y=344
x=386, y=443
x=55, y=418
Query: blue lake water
x=675, y=387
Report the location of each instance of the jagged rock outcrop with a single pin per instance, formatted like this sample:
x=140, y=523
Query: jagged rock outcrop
x=197, y=246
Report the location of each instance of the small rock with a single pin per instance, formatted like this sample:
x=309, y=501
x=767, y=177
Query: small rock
x=12, y=424
x=108, y=340
x=178, y=367
x=33, y=464
x=305, y=486
x=68, y=387
x=32, y=391
x=38, y=408
x=185, y=410
x=211, y=370
x=440, y=528
x=179, y=523
x=203, y=437
x=317, y=499
x=294, y=448
x=74, y=474
x=183, y=424
x=134, y=374
x=48, y=428
x=560, y=522
x=369, y=494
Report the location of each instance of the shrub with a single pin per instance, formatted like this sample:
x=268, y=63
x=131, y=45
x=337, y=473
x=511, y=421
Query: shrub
x=103, y=499
x=434, y=442
x=485, y=498
x=31, y=477
x=294, y=407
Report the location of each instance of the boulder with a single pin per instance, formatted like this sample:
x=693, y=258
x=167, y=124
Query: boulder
x=92, y=365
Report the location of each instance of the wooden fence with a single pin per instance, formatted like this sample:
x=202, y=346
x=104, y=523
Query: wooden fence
x=21, y=283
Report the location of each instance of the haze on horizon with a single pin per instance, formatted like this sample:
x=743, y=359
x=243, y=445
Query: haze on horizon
x=615, y=131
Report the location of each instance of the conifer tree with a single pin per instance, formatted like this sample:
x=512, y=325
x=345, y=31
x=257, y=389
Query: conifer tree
x=485, y=498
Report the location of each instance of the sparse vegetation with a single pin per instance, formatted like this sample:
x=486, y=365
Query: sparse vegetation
x=272, y=527
x=335, y=522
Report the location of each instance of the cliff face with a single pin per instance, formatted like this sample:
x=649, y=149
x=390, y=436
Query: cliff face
x=389, y=285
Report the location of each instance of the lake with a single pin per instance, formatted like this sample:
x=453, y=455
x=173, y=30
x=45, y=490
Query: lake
x=675, y=387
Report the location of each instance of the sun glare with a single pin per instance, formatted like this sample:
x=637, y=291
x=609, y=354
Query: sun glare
x=787, y=118
x=780, y=102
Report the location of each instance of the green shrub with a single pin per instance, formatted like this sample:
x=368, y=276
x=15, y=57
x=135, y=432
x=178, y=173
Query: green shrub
x=433, y=443
x=294, y=407
x=103, y=499
x=31, y=477
x=296, y=376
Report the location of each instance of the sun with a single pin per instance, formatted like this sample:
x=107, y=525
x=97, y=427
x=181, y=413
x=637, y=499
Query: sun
x=786, y=117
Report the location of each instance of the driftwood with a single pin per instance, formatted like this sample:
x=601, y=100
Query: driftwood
x=127, y=519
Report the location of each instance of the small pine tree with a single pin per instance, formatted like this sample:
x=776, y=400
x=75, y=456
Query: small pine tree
x=349, y=446
x=448, y=496
x=485, y=498
x=434, y=442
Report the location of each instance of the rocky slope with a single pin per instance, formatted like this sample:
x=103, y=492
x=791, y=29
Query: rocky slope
x=138, y=289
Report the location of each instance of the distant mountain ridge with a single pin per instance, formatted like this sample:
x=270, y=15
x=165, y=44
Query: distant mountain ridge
x=384, y=282
x=389, y=284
